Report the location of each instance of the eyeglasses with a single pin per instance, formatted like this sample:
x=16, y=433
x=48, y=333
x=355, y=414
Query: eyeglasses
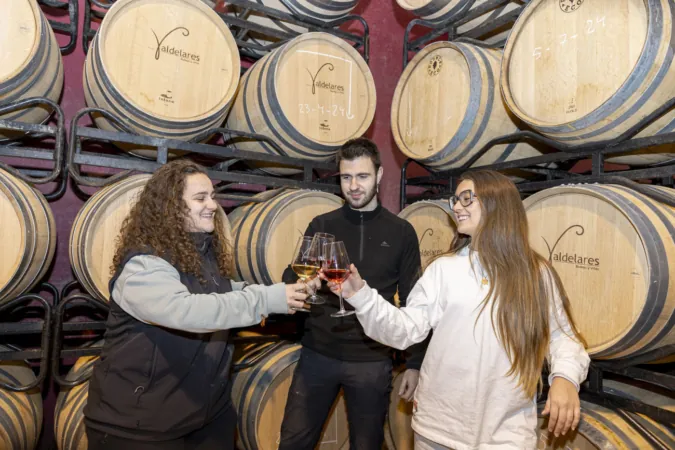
x=465, y=198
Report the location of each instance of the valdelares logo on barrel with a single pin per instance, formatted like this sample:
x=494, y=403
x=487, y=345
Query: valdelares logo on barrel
x=581, y=261
x=334, y=88
x=172, y=49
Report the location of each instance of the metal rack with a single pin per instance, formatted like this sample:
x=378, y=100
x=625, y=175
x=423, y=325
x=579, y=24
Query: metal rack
x=225, y=164
x=36, y=143
x=94, y=311
x=78, y=304
x=95, y=10
x=434, y=31
x=12, y=313
x=442, y=183
x=70, y=27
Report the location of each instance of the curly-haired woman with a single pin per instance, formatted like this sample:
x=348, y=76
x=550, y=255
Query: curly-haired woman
x=163, y=378
x=498, y=310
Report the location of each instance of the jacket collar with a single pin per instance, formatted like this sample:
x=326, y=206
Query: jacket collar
x=203, y=241
x=355, y=216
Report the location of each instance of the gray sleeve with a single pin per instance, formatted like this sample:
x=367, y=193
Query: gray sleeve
x=238, y=285
x=150, y=290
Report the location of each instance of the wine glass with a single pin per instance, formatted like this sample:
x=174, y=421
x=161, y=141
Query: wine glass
x=336, y=269
x=321, y=239
x=305, y=261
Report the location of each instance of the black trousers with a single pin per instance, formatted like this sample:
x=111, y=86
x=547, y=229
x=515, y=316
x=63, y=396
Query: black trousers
x=216, y=435
x=316, y=384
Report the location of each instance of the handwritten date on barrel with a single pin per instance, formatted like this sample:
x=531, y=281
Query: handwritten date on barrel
x=331, y=110
x=590, y=27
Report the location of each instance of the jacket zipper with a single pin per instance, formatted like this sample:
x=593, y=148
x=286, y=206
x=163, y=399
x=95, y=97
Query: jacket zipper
x=361, y=247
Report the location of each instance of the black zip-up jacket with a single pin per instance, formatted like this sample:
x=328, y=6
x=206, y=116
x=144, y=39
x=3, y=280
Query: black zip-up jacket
x=125, y=397
x=385, y=250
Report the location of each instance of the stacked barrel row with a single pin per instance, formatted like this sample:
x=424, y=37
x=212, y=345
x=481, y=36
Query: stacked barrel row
x=171, y=68
x=575, y=72
x=30, y=63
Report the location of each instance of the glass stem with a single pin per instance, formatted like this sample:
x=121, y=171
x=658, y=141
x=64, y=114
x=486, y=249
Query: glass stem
x=342, y=305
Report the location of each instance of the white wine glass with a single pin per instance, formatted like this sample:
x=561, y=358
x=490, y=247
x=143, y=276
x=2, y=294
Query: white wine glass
x=306, y=263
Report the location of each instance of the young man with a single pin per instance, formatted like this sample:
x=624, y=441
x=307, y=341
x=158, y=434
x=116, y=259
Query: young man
x=336, y=353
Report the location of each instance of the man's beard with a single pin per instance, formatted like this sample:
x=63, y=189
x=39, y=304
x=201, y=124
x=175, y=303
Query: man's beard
x=367, y=197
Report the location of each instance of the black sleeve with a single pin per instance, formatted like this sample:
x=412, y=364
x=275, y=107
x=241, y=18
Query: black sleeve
x=410, y=271
x=289, y=277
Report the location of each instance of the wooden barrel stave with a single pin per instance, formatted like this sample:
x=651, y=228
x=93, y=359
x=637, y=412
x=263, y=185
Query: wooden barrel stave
x=499, y=35
x=259, y=394
x=93, y=237
x=324, y=11
x=436, y=11
x=25, y=213
x=604, y=428
x=434, y=224
x=20, y=412
x=198, y=51
x=40, y=74
x=398, y=432
x=616, y=70
x=598, y=225
x=599, y=428
x=443, y=129
x=291, y=116
x=69, y=429
x=266, y=233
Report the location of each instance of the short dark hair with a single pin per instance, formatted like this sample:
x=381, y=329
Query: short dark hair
x=356, y=148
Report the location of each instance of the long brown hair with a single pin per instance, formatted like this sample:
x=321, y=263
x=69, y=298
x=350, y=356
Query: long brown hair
x=522, y=282
x=156, y=224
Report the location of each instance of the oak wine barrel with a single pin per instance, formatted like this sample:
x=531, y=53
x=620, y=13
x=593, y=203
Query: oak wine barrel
x=499, y=35
x=265, y=233
x=168, y=68
x=20, y=412
x=69, y=429
x=436, y=11
x=443, y=128
x=398, y=432
x=435, y=227
x=259, y=394
x=96, y=228
x=30, y=61
x=324, y=11
x=602, y=428
x=614, y=250
x=599, y=427
x=28, y=238
x=310, y=96
x=581, y=72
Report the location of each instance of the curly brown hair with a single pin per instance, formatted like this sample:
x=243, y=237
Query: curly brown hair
x=156, y=224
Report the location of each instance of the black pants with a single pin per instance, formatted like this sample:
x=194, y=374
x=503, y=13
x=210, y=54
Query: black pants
x=216, y=435
x=316, y=384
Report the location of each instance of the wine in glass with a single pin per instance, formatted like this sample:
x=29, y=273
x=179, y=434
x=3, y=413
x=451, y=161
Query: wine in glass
x=336, y=269
x=321, y=239
x=305, y=261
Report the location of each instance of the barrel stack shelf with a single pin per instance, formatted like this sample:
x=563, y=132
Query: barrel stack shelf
x=235, y=16
x=94, y=164
x=32, y=155
x=68, y=26
x=561, y=165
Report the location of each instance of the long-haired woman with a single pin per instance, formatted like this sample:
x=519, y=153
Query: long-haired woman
x=498, y=311
x=163, y=378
